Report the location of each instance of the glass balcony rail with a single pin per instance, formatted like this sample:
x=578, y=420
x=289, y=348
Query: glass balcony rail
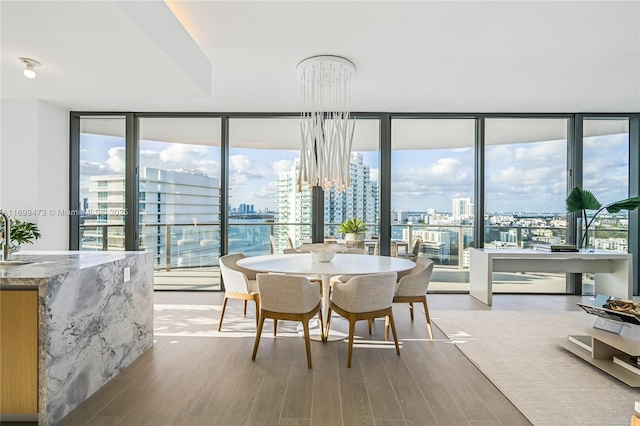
x=188, y=247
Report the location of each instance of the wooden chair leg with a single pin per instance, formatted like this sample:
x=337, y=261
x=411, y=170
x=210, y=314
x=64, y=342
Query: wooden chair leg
x=244, y=307
x=320, y=324
x=370, y=321
x=386, y=328
x=326, y=332
x=307, y=344
x=256, y=299
x=224, y=306
x=275, y=326
x=411, y=310
x=352, y=331
x=395, y=336
x=426, y=313
x=257, y=342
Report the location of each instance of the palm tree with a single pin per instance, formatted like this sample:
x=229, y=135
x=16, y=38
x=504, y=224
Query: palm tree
x=581, y=200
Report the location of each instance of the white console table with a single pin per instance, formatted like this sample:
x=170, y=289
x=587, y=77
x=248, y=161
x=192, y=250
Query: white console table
x=613, y=274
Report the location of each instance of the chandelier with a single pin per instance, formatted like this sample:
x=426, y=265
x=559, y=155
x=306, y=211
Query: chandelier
x=325, y=124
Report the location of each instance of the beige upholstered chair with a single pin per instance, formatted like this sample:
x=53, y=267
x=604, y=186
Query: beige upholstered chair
x=413, y=254
x=272, y=240
x=290, y=298
x=393, y=249
x=290, y=251
x=364, y=297
x=412, y=287
x=239, y=283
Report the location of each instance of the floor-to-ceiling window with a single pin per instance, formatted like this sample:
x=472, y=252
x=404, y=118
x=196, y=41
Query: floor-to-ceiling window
x=432, y=173
x=179, y=200
x=525, y=191
x=264, y=202
x=101, y=183
x=605, y=167
x=528, y=163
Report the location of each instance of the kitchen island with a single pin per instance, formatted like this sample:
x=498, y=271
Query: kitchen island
x=93, y=317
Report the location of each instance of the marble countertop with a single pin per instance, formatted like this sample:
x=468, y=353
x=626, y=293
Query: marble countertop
x=45, y=264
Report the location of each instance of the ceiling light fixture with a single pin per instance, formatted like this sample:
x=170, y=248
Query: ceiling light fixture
x=29, y=71
x=325, y=121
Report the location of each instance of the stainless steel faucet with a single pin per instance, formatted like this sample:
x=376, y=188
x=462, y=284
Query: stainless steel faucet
x=6, y=234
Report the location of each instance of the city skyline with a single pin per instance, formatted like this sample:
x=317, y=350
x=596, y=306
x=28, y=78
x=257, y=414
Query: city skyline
x=425, y=178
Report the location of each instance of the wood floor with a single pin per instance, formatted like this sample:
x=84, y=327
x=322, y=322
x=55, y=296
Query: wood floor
x=191, y=378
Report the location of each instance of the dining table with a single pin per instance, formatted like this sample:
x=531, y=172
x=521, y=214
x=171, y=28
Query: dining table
x=341, y=264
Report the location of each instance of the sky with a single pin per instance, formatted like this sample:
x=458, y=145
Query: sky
x=526, y=177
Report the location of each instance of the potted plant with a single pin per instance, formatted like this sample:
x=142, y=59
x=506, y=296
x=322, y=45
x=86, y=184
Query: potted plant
x=581, y=200
x=22, y=233
x=353, y=229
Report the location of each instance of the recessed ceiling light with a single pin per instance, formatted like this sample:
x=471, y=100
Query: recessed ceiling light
x=29, y=71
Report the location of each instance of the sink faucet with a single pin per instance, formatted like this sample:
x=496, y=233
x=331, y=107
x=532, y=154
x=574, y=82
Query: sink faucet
x=6, y=233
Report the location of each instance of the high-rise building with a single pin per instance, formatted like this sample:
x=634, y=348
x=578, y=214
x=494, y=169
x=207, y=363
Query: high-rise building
x=179, y=212
x=461, y=208
x=359, y=200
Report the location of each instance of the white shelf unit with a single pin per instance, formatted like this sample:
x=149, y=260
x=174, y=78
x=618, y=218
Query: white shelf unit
x=604, y=346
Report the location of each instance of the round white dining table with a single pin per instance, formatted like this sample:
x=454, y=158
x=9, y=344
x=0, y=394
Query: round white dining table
x=342, y=263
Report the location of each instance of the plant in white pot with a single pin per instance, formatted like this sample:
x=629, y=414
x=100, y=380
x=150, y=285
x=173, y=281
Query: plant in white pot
x=353, y=229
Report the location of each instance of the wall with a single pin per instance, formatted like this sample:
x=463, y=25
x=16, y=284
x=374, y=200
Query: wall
x=34, y=168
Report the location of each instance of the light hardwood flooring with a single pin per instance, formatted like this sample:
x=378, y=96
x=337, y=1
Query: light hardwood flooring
x=193, y=378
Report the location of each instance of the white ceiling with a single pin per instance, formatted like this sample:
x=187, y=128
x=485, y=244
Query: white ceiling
x=241, y=56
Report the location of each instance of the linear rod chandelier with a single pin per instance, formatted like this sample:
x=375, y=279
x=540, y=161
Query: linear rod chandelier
x=325, y=122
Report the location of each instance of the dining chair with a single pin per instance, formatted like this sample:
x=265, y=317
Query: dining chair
x=364, y=297
x=239, y=283
x=290, y=242
x=393, y=249
x=273, y=244
x=415, y=252
x=412, y=288
x=288, y=298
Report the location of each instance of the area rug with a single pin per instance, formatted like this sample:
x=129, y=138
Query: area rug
x=520, y=353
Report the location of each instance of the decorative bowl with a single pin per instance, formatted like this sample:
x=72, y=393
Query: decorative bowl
x=323, y=255
x=323, y=252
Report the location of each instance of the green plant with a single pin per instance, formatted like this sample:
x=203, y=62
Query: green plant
x=352, y=226
x=581, y=200
x=24, y=232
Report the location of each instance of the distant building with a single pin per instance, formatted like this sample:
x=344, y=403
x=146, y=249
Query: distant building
x=185, y=203
x=359, y=200
x=461, y=208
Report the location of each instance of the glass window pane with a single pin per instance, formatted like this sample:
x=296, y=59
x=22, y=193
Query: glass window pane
x=525, y=192
x=432, y=193
x=263, y=198
x=179, y=200
x=102, y=183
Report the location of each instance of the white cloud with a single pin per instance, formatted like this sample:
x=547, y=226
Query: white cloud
x=282, y=166
x=116, y=159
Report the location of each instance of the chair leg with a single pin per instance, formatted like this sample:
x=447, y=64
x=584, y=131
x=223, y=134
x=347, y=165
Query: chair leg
x=257, y=342
x=411, y=310
x=320, y=324
x=352, y=331
x=386, y=328
x=395, y=336
x=370, y=321
x=275, y=326
x=326, y=332
x=426, y=313
x=256, y=299
x=307, y=344
x=224, y=306
x=244, y=307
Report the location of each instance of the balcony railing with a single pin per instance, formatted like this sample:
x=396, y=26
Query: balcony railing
x=198, y=246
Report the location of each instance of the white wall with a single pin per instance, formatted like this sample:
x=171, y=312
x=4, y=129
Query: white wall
x=34, y=168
